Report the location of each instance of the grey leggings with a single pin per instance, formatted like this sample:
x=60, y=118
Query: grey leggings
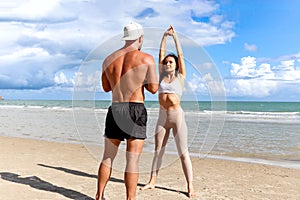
x=175, y=120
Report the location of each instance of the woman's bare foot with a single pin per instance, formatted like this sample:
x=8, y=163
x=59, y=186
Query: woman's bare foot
x=151, y=184
x=191, y=195
x=148, y=186
x=191, y=192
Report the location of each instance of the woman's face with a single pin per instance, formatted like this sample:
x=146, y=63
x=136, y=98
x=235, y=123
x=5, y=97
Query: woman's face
x=169, y=64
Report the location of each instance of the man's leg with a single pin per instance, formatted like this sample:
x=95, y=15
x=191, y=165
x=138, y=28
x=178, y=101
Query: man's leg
x=131, y=175
x=105, y=168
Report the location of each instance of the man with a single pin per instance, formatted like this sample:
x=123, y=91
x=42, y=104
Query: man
x=126, y=73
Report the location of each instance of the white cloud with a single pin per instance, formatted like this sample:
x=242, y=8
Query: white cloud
x=252, y=80
x=246, y=68
x=34, y=9
x=287, y=71
x=22, y=54
x=217, y=19
x=208, y=65
x=42, y=38
x=208, y=77
x=249, y=69
x=88, y=82
x=206, y=85
x=250, y=87
x=295, y=56
x=61, y=79
x=216, y=88
x=250, y=47
x=197, y=84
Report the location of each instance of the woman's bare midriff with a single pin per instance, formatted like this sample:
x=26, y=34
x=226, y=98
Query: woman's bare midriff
x=169, y=101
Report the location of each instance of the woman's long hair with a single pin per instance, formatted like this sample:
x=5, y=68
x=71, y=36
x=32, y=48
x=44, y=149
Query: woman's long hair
x=164, y=63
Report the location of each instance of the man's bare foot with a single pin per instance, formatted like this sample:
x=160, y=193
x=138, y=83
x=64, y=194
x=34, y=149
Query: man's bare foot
x=148, y=186
x=98, y=197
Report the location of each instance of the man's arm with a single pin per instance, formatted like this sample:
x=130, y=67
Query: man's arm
x=105, y=82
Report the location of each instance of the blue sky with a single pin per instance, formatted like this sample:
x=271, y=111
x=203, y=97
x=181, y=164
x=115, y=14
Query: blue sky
x=253, y=44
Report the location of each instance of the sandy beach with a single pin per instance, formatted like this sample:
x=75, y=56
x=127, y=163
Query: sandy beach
x=34, y=169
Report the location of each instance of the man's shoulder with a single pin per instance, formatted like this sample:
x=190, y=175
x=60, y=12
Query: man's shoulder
x=146, y=56
x=113, y=56
x=140, y=56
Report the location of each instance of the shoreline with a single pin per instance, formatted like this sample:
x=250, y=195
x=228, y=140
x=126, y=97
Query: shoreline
x=37, y=169
x=257, y=142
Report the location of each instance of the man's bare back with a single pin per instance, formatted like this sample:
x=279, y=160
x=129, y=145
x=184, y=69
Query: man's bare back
x=126, y=72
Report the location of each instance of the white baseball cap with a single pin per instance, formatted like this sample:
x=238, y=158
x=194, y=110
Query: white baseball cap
x=132, y=31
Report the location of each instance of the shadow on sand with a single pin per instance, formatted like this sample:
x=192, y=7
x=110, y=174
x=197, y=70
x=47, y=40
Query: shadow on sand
x=37, y=183
x=79, y=173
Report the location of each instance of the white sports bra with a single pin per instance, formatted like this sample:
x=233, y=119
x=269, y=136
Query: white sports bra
x=175, y=87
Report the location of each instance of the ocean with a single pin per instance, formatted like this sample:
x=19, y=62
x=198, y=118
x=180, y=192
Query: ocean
x=259, y=132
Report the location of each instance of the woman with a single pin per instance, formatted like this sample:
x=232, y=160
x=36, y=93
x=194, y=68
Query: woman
x=172, y=75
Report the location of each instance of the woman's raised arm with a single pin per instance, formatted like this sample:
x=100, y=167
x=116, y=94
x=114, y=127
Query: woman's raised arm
x=182, y=69
x=162, y=51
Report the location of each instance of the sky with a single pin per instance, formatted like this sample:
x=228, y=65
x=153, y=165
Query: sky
x=251, y=47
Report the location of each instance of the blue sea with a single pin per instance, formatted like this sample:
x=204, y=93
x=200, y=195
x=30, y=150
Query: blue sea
x=259, y=132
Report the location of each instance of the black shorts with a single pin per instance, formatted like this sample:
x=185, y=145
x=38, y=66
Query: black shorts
x=126, y=120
